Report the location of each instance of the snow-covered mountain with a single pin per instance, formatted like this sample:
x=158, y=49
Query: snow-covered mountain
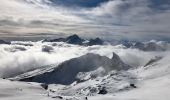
x=152, y=45
x=68, y=70
x=139, y=83
x=63, y=71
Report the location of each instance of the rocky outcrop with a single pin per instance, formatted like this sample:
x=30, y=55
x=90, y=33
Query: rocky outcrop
x=96, y=41
x=4, y=42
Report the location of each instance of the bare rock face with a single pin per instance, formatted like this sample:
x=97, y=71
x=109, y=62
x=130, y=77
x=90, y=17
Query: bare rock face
x=152, y=61
x=76, y=40
x=4, y=42
x=73, y=39
x=139, y=45
x=96, y=41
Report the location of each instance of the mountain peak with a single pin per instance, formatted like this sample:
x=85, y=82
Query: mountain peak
x=68, y=70
x=115, y=56
x=74, y=39
x=4, y=42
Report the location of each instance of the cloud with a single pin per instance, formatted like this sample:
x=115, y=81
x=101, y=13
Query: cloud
x=21, y=56
x=18, y=58
x=79, y=3
x=123, y=18
x=139, y=17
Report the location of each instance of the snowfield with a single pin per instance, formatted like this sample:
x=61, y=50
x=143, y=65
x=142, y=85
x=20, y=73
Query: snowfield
x=61, y=71
x=21, y=91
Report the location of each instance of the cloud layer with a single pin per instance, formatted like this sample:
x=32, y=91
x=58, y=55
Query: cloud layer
x=20, y=57
x=112, y=18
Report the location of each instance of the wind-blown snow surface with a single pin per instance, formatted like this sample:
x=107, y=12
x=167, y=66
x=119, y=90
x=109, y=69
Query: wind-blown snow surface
x=17, y=90
x=152, y=81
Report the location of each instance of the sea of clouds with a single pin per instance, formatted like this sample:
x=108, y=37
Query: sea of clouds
x=20, y=57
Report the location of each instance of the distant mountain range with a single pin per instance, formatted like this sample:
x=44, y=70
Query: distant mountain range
x=75, y=39
x=4, y=42
x=146, y=46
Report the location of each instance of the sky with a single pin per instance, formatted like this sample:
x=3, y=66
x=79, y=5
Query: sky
x=131, y=19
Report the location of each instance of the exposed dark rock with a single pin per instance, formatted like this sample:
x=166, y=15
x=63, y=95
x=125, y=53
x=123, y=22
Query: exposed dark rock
x=102, y=91
x=59, y=97
x=119, y=63
x=55, y=40
x=126, y=43
x=86, y=98
x=4, y=42
x=96, y=41
x=74, y=39
x=45, y=86
x=139, y=45
x=115, y=56
x=133, y=86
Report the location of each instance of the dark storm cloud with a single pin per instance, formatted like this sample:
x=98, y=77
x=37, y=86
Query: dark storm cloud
x=79, y=3
x=160, y=4
x=8, y=22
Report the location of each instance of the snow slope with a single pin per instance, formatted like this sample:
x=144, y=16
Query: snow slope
x=21, y=91
x=153, y=83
